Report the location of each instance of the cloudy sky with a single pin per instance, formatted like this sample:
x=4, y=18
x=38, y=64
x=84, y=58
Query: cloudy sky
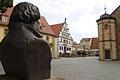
x=81, y=14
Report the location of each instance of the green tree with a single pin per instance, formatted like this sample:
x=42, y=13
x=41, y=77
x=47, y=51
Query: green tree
x=4, y=4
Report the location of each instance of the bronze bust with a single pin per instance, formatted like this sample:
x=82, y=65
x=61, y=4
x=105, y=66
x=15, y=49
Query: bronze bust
x=23, y=53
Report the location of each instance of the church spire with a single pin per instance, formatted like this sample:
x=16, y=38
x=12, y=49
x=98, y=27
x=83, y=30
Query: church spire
x=65, y=20
x=105, y=9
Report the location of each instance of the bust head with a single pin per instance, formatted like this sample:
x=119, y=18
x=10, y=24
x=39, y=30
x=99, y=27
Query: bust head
x=25, y=12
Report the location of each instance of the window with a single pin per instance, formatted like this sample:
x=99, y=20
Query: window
x=106, y=26
x=47, y=38
x=61, y=40
x=64, y=41
x=69, y=49
x=60, y=47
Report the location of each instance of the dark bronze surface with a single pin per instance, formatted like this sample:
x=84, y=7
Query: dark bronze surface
x=23, y=53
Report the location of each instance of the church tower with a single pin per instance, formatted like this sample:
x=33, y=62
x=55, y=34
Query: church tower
x=107, y=37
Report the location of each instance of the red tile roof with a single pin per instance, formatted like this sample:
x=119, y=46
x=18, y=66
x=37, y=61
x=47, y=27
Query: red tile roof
x=47, y=29
x=57, y=28
x=44, y=22
x=8, y=12
x=94, y=43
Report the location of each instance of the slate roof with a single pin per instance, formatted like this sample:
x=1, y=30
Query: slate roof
x=105, y=16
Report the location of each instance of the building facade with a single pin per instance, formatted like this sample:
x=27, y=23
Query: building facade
x=89, y=45
x=4, y=19
x=108, y=37
x=84, y=45
x=75, y=47
x=94, y=48
x=64, y=38
x=3, y=25
x=116, y=15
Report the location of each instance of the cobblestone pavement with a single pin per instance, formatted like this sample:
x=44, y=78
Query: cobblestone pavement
x=89, y=68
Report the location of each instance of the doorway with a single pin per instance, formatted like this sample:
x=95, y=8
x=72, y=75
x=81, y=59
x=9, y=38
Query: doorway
x=107, y=54
x=64, y=49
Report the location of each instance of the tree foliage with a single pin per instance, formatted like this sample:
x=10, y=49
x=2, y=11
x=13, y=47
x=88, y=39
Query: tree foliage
x=4, y=4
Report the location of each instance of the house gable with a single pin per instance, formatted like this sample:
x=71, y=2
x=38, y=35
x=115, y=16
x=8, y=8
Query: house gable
x=57, y=28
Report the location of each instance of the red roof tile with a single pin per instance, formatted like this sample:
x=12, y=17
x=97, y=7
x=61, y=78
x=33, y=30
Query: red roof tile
x=57, y=28
x=44, y=22
x=8, y=12
x=46, y=26
x=48, y=30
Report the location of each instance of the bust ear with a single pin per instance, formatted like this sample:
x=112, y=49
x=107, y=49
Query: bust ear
x=36, y=26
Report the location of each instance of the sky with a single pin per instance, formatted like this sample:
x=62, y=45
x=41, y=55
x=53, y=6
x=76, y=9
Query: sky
x=81, y=14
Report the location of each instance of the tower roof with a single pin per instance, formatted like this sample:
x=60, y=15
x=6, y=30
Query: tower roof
x=106, y=16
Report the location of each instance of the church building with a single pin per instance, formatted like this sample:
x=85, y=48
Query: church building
x=108, y=35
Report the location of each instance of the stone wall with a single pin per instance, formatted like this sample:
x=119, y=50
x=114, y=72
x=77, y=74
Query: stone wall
x=116, y=14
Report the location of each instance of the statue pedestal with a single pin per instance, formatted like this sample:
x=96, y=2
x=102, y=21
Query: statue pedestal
x=4, y=77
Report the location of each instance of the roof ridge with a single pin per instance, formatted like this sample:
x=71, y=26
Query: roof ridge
x=115, y=9
x=57, y=24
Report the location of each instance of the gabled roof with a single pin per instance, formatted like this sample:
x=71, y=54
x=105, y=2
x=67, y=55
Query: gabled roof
x=44, y=22
x=47, y=29
x=57, y=28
